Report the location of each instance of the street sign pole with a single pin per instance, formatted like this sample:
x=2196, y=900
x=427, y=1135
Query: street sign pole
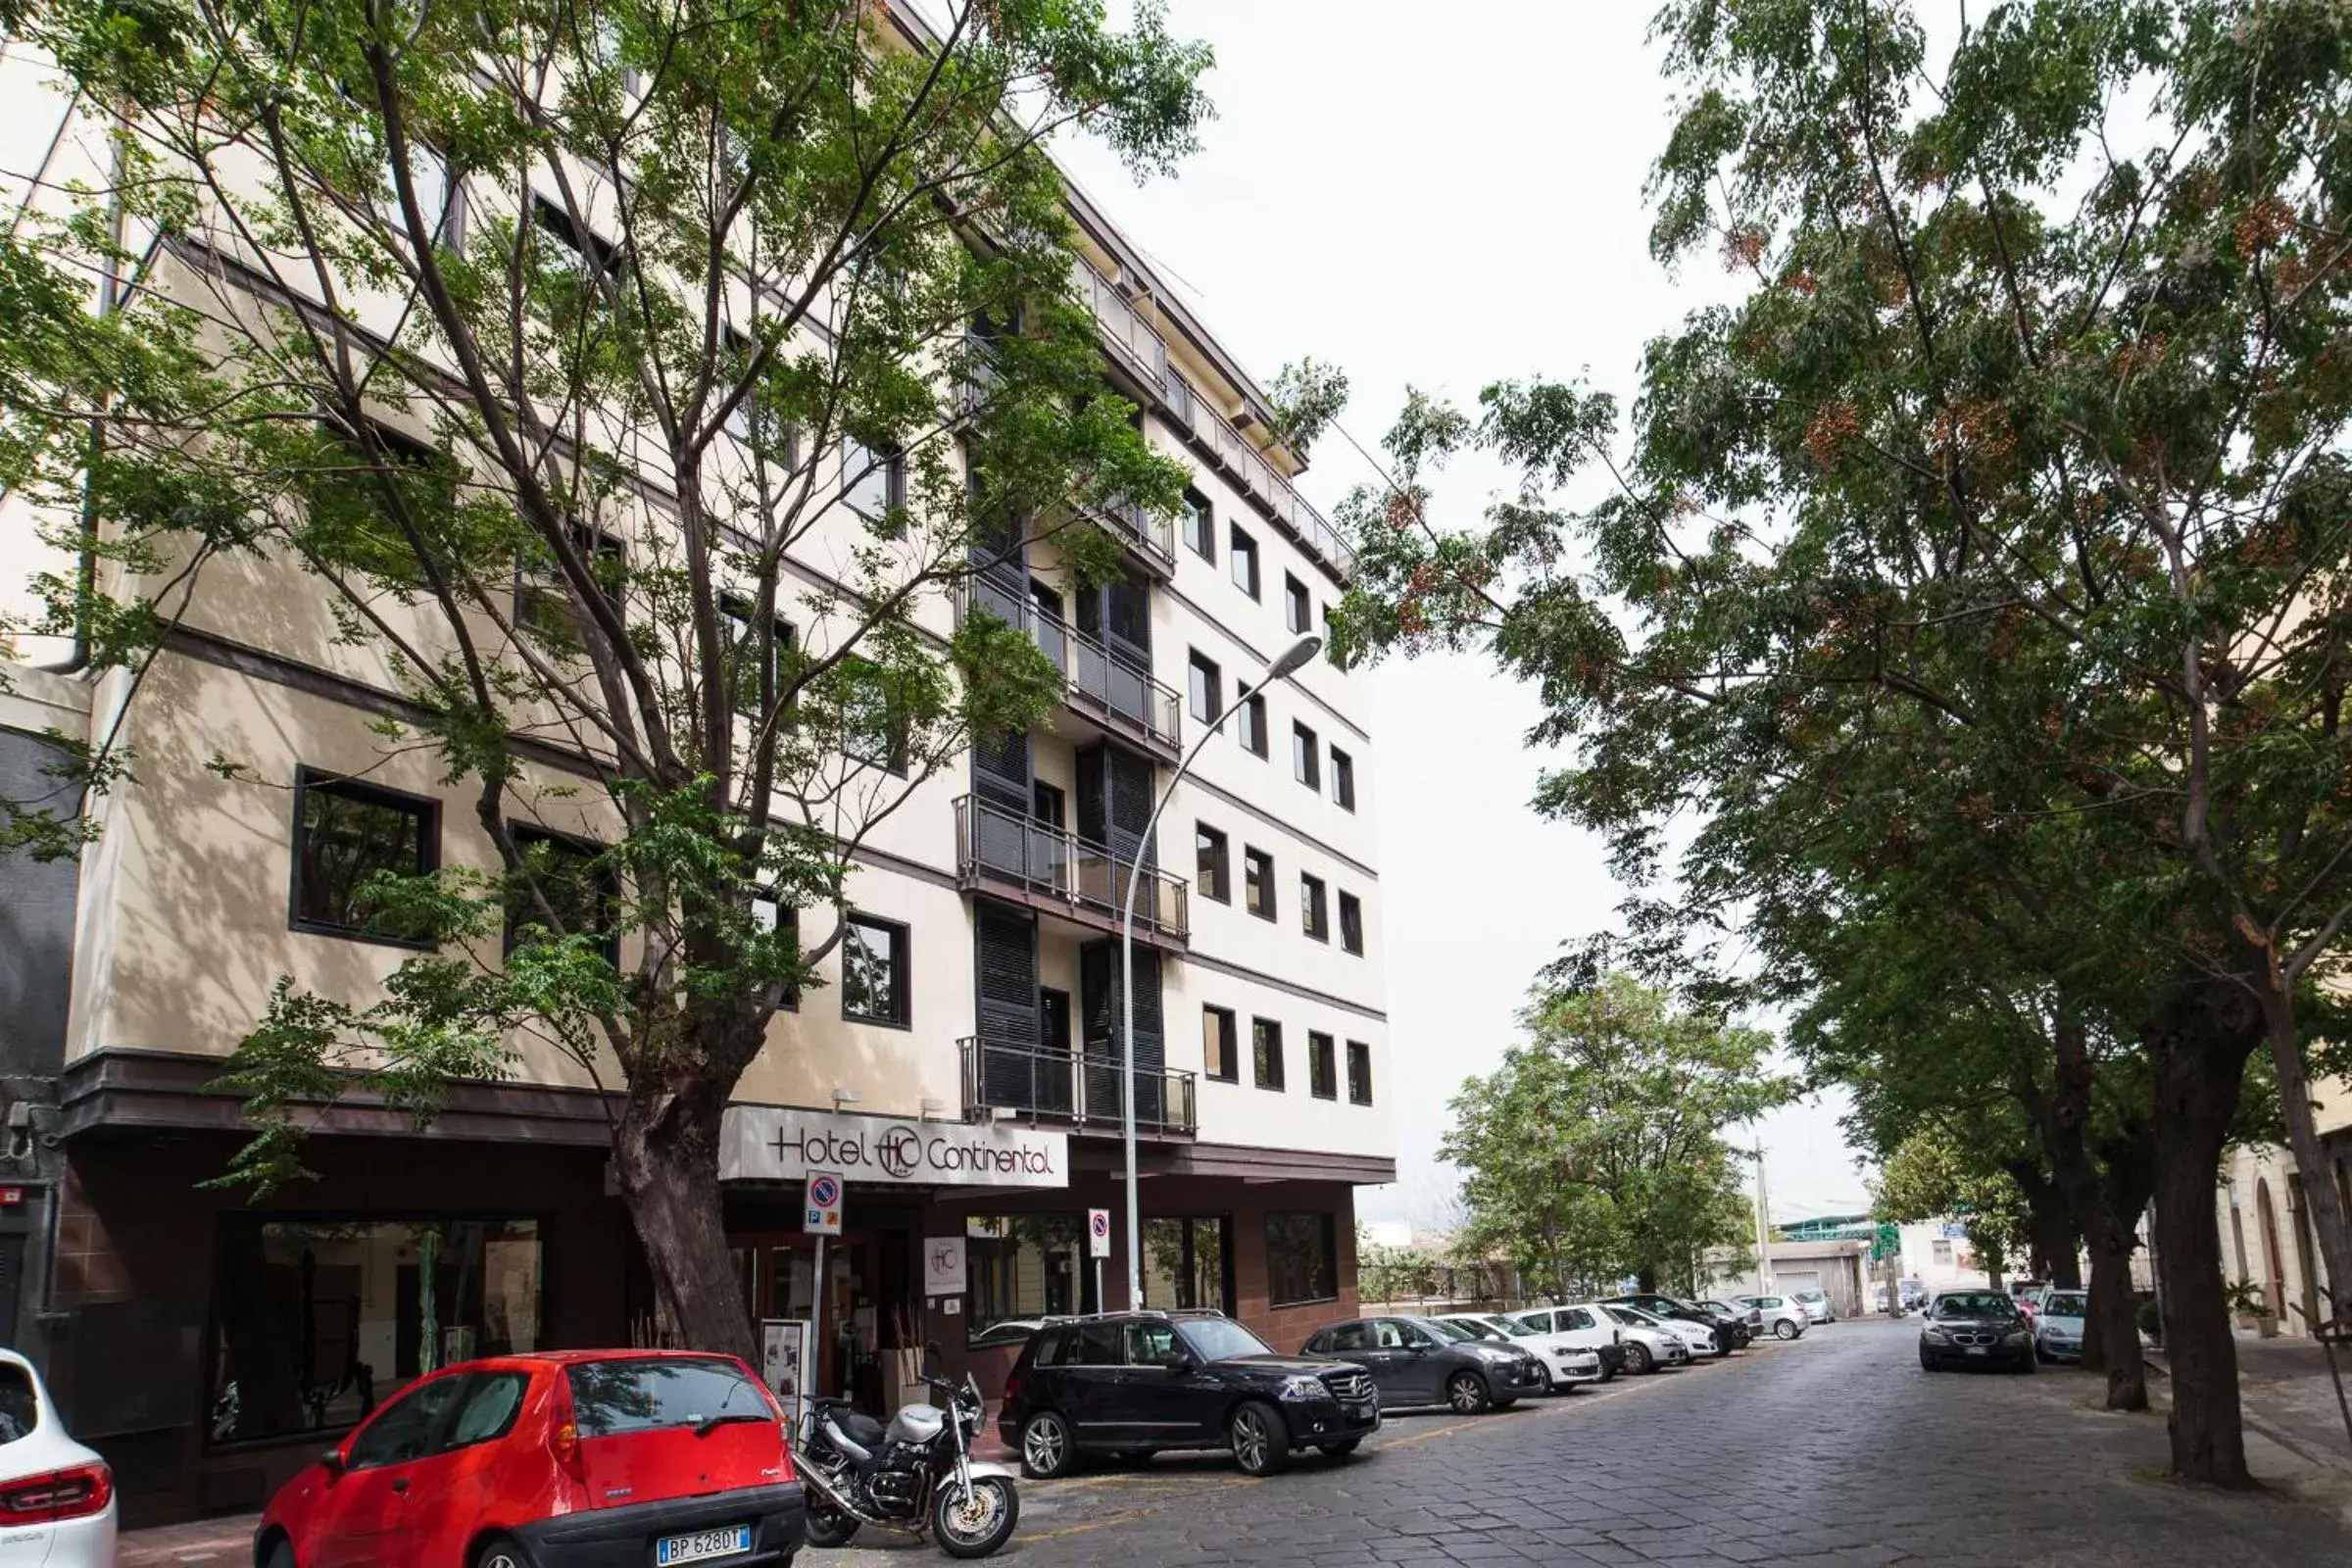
x=820, y=1216
x=1098, y=1247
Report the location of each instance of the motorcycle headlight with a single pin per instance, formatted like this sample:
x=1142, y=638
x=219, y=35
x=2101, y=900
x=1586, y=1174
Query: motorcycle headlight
x=1305, y=1388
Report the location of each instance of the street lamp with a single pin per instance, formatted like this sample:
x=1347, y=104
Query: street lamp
x=1293, y=659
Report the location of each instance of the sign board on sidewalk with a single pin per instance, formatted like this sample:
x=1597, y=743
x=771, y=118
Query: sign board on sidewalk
x=1098, y=1233
x=943, y=1265
x=822, y=1212
x=783, y=1353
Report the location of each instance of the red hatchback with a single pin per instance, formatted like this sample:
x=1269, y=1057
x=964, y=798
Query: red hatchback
x=571, y=1460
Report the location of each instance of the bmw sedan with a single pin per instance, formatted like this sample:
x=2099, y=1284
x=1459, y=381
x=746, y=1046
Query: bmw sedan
x=1975, y=1328
x=1416, y=1361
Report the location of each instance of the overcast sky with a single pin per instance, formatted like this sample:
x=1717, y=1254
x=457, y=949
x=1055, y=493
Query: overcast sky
x=1442, y=198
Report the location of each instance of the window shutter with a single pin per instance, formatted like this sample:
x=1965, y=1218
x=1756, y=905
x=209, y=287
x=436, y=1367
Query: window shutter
x=1098, y=981
x=1005, y=963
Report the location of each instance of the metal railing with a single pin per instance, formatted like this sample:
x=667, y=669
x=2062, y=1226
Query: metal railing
x=1108, y=687
x=997, y=843
x=1128, y=521
x=1072, y=1086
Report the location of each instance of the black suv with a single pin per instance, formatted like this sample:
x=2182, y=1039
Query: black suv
x=1135, y=1383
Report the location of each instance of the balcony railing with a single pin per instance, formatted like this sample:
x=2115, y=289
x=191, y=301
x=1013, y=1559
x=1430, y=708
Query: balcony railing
x=1154, y=536
x=1107, y=687
x=1068, y=1087
x=995, y=843
x=1145, y=352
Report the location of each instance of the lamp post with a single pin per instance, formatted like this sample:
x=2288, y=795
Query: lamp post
x=1293, y=659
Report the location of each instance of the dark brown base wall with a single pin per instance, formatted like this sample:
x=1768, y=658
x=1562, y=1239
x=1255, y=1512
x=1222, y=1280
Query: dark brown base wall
x=137, y=1251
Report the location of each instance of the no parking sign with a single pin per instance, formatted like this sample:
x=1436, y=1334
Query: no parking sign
x=822, y=1210
x=1098, y=1233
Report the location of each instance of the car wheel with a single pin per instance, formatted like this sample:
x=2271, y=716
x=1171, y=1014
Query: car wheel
x=1467, y=1393
x=1784, y=1330
x=1637, y=1357
x=1927, y=1362
x=1261, y=1443
x=499, y=1552
x=1045, y=1446
x=1341, y=1449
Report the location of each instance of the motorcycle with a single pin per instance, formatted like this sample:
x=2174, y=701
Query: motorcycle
x=914, y=1476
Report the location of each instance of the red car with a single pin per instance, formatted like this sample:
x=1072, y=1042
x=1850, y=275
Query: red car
x=568, y=1460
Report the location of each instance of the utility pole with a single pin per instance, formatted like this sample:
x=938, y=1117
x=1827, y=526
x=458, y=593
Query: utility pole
x=1763, y=1227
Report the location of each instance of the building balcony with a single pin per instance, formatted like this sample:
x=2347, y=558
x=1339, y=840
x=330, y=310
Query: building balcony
x=1109, y=691
x=1151, y=541
x=1034, y=1083
x=1011, y=856
x=1253, y=475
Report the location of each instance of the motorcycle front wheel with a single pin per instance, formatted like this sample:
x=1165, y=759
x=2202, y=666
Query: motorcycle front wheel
x=828, y=1526
x=976, y=1524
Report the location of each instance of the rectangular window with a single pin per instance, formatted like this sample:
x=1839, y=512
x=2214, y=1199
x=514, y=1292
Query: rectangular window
x=1322, y=1066
x=1183, y=1264
x=575, y=248
x=347, y=834
x=1200, y=526
x=1940, y=1252
x=562, y=878
x=545, y=604
x=1303, y=1258
x=1253, y=724
x=440, y=198
x=781, y=921
x=1215, y=869
x=1257, y=883
x=754, y=664
x=1342, y=779
x=1024, y=1268
x=1314, y=913
x=331, y=1310
x=1306, y=757
x=1359, y=1073
x=1206, y=688
x=1351, y=923
x=873, y=971
x=1220, y=1045
x=873, y=720
x=1245, y=562
x=1297, y=611
x=1265, y=1053
x=873, y=484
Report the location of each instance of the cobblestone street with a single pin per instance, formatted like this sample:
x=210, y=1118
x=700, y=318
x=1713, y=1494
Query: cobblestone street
x=1834, y=1449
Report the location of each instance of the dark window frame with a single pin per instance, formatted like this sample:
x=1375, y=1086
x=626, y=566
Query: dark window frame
x=1298, y=608
x=1222, y=849
x=1287, y=1254
x=893, y=469
x=902, y=989
x=607, y=883
x=738, y=611
x=1359, y=1072
x=1241, y=547
x=1211, y=686
x=306, y=779
x=788, y=998
x=1200, y=527
x=533, y=579
x=1253, y=726
x=1229, y=1042
x=1253, y=859
x=1342, y=779
x=1267, y=1069
x=1322, y=1065
x=1351, y=923
x=1306, y=756
x=1314, y=906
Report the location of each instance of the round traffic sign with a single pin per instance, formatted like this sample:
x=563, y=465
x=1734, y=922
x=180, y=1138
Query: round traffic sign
x=1101, y=1223
x=825, y=1191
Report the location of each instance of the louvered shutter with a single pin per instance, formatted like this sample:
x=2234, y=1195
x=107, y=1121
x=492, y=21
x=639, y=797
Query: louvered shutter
x=1013, y=1071
x=1002, y=783
x=1099, y=980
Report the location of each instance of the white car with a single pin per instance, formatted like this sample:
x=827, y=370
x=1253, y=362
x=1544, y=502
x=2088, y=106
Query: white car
x=57, y=1498
x=1815, y=1305
x=1696, y=1338
x=1784, y=1319
x=1581, y=1324
x=1568, y=1364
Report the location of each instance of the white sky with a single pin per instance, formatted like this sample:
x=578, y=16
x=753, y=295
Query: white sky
x=1442, y=205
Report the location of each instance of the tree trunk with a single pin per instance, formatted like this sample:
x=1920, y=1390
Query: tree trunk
x=2111, y=1326
x=2104, y=1198
x=2197, y=1060
x=665, y=1153
x=2329, y=1225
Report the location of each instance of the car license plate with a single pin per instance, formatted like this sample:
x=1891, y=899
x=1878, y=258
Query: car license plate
x=703, y=1544
x=1976, y=1349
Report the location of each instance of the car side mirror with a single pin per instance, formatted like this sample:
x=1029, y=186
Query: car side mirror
x=333, y=1463
x=1419, y=1347
x=1176, y=1362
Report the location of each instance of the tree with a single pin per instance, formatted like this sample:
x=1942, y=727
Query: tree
x=635, y=381
x=1935, y=1174
x=1597, y=1149
x=2000, y=520
x=1387, y=1273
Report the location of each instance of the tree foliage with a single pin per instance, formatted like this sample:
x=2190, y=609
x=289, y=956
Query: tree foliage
x=1598, y=1150
x=643, y=469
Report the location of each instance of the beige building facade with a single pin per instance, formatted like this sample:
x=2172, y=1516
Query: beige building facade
x=966, y=1087
x=2266, y=1237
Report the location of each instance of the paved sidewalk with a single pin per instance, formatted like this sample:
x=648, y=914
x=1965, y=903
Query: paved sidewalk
x=2290, y=1403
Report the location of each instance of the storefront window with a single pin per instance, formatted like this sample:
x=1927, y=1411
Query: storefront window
x=316, y=1322
x=1019, y=1268
x=1183, y=1262
x=1303, y=1258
